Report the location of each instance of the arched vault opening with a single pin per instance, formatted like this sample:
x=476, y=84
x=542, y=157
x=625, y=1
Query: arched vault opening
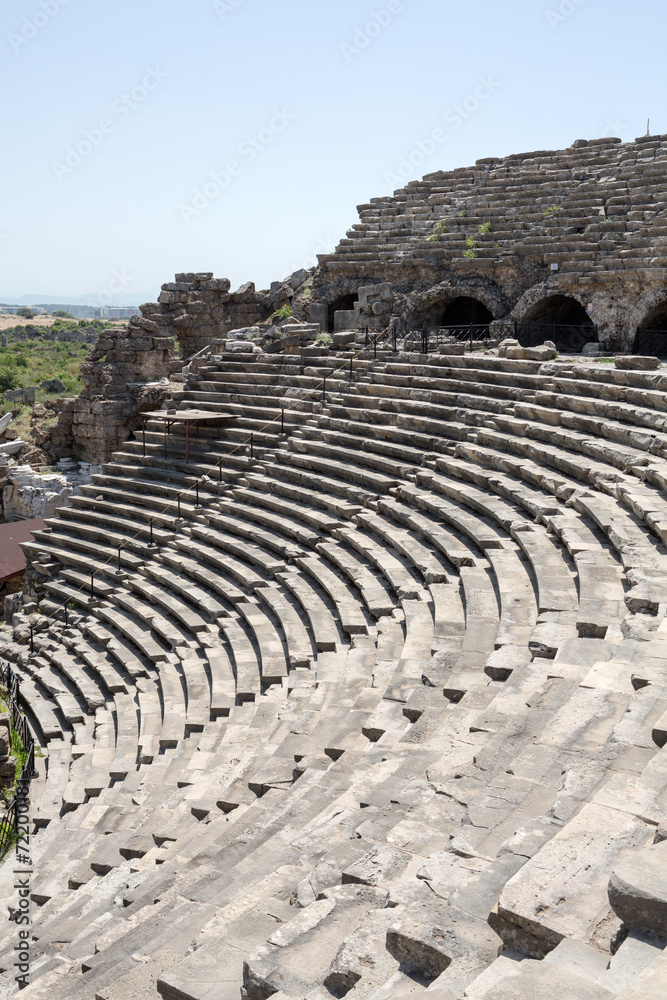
x=464, y=311
x=559, y=318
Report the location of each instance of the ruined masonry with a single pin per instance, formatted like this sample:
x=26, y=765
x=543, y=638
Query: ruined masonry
x=376, y=706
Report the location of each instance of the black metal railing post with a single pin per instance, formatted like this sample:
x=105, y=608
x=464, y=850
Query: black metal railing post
x=92, y=584
x=252, y=447
x=324, y=389
x=471, y=336
x=375, y=348
x=219, y=474
x=120, y=549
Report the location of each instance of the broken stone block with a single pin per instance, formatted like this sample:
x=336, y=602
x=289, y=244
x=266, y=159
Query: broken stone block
x=632, y=362
x=300, y=953
x=638, y=890
x=379, y=866
x=562, y=891
x=430, y=937
x=540, y=353
x=515, y=353
x=543, y=981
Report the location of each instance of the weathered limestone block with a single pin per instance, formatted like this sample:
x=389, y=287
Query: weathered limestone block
x=561, y=891
x=638, y=890
x=300, y=953
x=428, y=937
x=636, y=363
x=544, y=352
x=543, y=981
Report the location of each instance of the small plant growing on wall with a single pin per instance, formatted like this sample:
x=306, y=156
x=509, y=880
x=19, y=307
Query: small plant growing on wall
x=551, y=210
x=283, y=313
x=471, y=252
x=485, y=227
x=438, y=233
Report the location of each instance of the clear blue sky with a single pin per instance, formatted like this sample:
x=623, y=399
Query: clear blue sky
x=315, y=105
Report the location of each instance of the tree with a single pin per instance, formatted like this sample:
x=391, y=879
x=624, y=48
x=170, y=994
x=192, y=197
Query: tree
x=26, y=313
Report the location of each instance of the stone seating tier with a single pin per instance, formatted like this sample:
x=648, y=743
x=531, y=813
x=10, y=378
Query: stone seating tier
x=363, y=699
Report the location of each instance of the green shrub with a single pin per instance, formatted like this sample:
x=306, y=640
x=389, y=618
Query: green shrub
x=8, y=380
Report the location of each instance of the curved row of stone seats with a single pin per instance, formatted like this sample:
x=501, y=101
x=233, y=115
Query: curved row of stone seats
x=354, y=770
x=653, y=501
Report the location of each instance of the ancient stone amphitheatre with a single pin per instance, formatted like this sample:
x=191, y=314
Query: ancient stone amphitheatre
x=376, y=706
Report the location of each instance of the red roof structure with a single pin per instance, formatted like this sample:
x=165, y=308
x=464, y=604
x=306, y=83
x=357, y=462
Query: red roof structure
x=12, y=557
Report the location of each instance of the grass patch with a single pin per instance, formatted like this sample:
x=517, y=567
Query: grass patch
x=24, y=363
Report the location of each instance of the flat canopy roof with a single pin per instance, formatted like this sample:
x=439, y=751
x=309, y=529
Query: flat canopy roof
x=188, y=415
x=12, y=557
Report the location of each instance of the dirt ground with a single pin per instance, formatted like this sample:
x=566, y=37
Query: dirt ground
x=7, y=320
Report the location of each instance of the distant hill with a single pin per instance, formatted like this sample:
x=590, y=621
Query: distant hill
x=92, y=299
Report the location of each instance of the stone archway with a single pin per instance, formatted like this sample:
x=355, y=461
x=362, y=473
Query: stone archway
x=554, y=316
x=453, y=303
x=651, y=336
x=465, y=311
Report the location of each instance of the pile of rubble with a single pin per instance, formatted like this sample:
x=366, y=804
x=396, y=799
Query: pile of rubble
x=31, y=493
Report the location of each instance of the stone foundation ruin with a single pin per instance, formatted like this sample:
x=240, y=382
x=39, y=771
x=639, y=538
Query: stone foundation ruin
x=368, y=698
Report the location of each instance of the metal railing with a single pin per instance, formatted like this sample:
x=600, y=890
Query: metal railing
x=566, y=336
x=651, y=342
x=426, y=341
x=11, y=820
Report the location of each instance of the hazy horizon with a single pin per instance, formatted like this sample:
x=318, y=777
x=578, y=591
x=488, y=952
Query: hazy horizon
x=238, y=136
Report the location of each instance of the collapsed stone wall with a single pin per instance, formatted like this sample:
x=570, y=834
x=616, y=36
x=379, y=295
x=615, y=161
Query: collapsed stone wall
x=196, y=309
x=129, y=368
x=127, y=372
